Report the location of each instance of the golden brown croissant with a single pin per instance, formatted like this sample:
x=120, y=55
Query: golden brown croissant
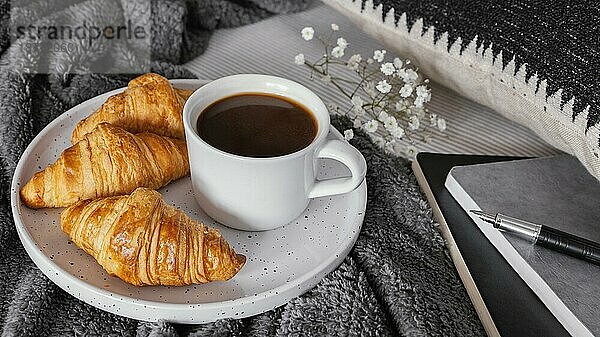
x=108, y=161
x=149, y=104
x=144, y=241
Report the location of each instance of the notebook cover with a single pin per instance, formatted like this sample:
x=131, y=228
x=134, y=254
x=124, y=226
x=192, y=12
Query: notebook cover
x=499, y=295
x=556, y=191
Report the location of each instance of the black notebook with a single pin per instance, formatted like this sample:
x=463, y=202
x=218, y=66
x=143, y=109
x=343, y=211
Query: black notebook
x=504, y=302
x=556, y=191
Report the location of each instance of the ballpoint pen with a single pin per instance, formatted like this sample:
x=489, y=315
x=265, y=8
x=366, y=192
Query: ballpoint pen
x=545, y=236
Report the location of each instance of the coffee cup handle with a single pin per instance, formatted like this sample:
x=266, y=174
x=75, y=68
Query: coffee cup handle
x=345, y=153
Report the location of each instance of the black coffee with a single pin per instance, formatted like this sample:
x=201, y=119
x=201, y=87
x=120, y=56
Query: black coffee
x=257, y=125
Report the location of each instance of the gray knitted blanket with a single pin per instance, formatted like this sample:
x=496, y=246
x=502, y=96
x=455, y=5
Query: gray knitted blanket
x=398, y=279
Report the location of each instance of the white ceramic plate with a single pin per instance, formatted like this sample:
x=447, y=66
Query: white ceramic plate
x=281, y=264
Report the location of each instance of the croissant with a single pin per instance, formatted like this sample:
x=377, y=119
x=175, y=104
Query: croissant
x=144, y=241
x=108, y=161
x=149, y=104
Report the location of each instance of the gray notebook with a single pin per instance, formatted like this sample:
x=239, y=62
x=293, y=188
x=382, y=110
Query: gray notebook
x=558, y=192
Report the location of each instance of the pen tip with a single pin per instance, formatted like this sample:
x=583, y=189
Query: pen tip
x=484, y=216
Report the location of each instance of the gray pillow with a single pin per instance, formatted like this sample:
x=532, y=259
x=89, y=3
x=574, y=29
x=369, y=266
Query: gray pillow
x=535, y=62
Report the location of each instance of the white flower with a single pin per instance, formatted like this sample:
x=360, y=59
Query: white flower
x=379, y=141
x=357, y=123
x=357, y=105
x=348, y=134
x=308, y=33
x=353, y=61
x=337, y=52
x=333, y=108
x=299, y=59
x=408, y=75
x=419, y=102
x=335, y=27
x=441, y=124
x=390, y=146
x=433, y=119
x=419, y=112
x=383, y=116
x=370, y=60
x=390, y=123
x=384, y=87
x=401, y=105
x=424, y=93
x=357, y=101
x=406, y=90
x=398, y=63
x=397, y=132
x=378, y=55
x=387, y=68
x=413, y=123
x=342, y=43
x=411, y=152
x=371, y=126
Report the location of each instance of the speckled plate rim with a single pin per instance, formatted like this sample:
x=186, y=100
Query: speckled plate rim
x=174, y=312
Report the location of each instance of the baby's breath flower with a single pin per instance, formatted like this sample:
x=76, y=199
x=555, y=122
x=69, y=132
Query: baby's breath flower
x=353, y=61
x=390, y=146
x=299, y=59
x=401, y=105
x=419, y=112
x=413, y=123
x=398, y=63
x=337, y=52
x=418, y=103
x=378, y=55
x=371, y=126
x=441, y=124
x=333, y=108
x=379, y=141
x=342, y=43
x=424, y=93
x=406, y=90
x=357, y=101
x=411, y=152
x=383, y=116
x=387, y=68
x=357, y=105
x=383, y=86
x=388, y=98
x=308, y=33
x=397, y=132
x=390, y=123
x=408, y=75
x=433, y=119
x=348, y=134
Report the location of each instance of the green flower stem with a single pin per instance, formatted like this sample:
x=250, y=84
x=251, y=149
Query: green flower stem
x=332, y=82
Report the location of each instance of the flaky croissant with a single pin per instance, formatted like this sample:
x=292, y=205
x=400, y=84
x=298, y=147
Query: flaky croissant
x=107, y=161
x=149, y=104
x=144, y=241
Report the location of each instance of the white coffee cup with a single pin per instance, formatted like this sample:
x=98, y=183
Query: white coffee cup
x=257, y=194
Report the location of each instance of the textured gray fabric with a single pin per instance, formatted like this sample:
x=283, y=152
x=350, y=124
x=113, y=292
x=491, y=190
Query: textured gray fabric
x=398, y=280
